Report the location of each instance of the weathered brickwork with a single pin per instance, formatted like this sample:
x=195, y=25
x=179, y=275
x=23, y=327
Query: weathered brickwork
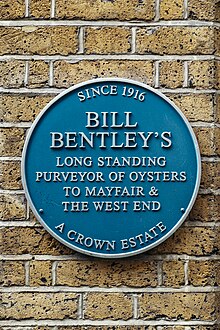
x=47, y=46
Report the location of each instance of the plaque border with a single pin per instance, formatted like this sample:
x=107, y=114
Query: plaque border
x=126, y=254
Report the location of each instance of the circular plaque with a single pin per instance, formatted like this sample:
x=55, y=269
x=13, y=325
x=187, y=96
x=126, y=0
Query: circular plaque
x=111, y=167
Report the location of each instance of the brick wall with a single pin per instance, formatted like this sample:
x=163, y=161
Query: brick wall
x=49, y=45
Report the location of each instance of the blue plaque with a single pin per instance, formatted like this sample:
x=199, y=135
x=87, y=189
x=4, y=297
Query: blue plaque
x=111, y=167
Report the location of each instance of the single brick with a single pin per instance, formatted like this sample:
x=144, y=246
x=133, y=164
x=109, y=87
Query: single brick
x=175, y=40
x=202, y=9
x=40, y=8
x=108, y=327
x=66, y=74
x=217, y=35
x=97, y=9
x=173, y=273
x=190, y=240
x=12, y=9
x=26, y=240
x=12, y=273
x=195, y=106
x=202, y=273
x=38, y=74
x=11, y=178
x=181, y=306
x=107, y=40
x=171, y=74
x=206, y=208
x=39, y=40
x=12, y=207
x=20, y=108
x=205, y=327
x=210, y=175
x=107, y=273
x=207, y=140
x=99, y=306
x=202, y=74
x=39, y=306
x=12, y=73
x=171, y=9
x=12, y=141
x=217, y=114
x=40, y=273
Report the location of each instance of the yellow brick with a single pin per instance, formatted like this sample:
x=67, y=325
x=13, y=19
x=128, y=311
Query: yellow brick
x=171, y=74
x=171, y=9
x=100, y=306
x=12, y=207
x=202, y=9
x=189, y=240
x=108, y=327
x=11, y=178
x=12, y=73
x=12, y=141
x=217, y=35
x=22, y=107
x=107, y=273
x=181, y=306
x=217, y=115
x=206, y=208
x=107, y=40
x=202, y=74
x=175, y=40
x=12, y=9
x=39, y=40
x=38, y=74
x=40, y=273
x=30, y=241
x=195, y=106
x=97, y=9
x=12, y=273
x=210, y=175
x=202, y=273
x=207, y=140
x=40, y=8
x=173, y=273
x=39, y=305
x=67, y=74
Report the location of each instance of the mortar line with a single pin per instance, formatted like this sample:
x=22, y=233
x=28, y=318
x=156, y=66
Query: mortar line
x=26, y=8
x=202, y=191
x=185, y=74
x=174, y=23
x=27, y=273
x=157, y=10
x=27, y=125
x=186, y=268
x=135, y=306
x=51, y=74
x=105, y=322
x=157, y=74
x=53, y=9
x=29, y=223
x=133, y=40
x=160, y=273
x=81, y=34
x=186, y=11
x=59, y=90
x=91, y=57
x=26, y=74
x=80, y=314
x=53, y=272
x=126, y=290
x=77, y=257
